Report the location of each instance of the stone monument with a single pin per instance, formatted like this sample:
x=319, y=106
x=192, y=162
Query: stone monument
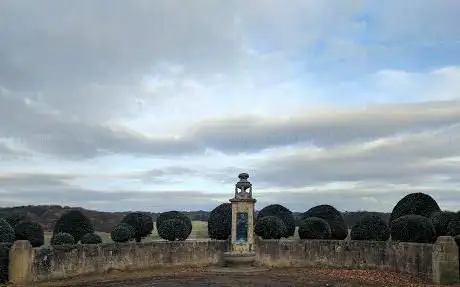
x=242, y=245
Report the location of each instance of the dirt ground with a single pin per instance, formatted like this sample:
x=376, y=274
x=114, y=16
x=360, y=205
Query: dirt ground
x=276, y=277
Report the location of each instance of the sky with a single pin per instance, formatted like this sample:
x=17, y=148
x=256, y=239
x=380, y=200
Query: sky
x=159, y=105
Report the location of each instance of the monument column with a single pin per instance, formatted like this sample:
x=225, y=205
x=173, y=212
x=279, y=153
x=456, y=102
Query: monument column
x=242, y=236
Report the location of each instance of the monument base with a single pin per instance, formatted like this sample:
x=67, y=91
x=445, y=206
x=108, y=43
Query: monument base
x=238, y=270
x=239, y=262
x=241, y=259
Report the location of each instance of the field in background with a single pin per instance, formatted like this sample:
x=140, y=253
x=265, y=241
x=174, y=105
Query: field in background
x=199, y=230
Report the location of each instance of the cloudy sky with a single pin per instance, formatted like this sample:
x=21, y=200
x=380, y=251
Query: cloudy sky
x=158, y=105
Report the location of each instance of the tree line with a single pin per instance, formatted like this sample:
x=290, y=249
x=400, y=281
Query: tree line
x=47, y=215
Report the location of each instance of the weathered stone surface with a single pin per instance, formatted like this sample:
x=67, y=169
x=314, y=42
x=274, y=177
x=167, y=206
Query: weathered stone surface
x=55, y=263
x=445, y=261
x=435, y=262
x=410, y=258
x=19, y=269
x=243, y=206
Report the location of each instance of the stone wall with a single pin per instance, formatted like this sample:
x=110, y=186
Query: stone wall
x=437, y=262
x=55, y=263
x=411, y=258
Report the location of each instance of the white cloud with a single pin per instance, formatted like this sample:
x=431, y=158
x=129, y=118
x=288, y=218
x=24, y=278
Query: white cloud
x=168, y=101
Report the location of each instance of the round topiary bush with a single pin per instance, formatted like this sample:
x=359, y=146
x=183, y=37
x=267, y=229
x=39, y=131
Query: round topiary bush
x=441, y=220
x=62, y=238
x=415, y=203
x=74, y=223
x=413, y=228
x=31, y=231
x=16, y=218
x=173, y=229
x=270, y=227
x=314, y=228
x=370, y=227
x=122, y=233
x=282, y=213
x=334, y=218
x=4, y=261
x=91, y=238
x=6, y=232
x=220, y=222
x=457, y=239
x=453, y=229
x=142, y=223
x=174, y=215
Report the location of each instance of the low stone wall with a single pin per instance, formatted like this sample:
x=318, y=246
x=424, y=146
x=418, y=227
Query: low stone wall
x=437, y=262
x=70, y=261
x=411, y=258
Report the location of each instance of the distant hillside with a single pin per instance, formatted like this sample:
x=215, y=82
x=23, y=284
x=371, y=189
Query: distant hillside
x=103, y=221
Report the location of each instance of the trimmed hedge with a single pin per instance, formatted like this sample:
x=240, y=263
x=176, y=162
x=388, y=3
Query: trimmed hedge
x=453, y=229
x=62, y=238
x=162, y=217
x=334, y=218
x=220, y=222
x=173, y=229
x=413, y=228
x=31, y=231
x=314, y=228
x=270, y=227
x=415, y=203
x=91, y=238
x=74, y=223
x=370, y=227
x=6, y=232
x=142, y=223
x=282, y=213
x=122, y=233
x=441, y=220
x=16, y=218
x=4, y=261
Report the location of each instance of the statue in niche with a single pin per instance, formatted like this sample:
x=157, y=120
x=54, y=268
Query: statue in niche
x=243, y=188
x=242, y=227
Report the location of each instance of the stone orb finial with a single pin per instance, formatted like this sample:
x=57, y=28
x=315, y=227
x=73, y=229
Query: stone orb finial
x=243, y=176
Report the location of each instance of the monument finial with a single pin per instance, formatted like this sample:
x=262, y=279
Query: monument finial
x=242, y=186
x=243, y=176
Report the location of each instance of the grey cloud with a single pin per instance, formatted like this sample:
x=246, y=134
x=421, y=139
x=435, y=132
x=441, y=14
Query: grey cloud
x=408, y=159
x=252, y=133
x=30, y=188
x=87, y=59
x=58, y=135
x=34, y=184
x=70, y=69
x=6, y=152
x=112, y=44
x=172, y=174
x=52, y=189
x=111, y=40
x=4, y=149
x=113, y=201
x=50, y=132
